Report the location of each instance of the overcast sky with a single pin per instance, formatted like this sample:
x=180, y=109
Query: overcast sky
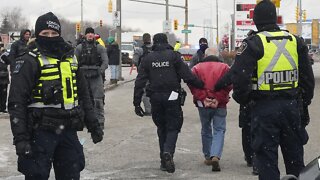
x=148, y=17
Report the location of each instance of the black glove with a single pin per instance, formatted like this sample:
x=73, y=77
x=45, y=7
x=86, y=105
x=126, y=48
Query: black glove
x=139, y=111
x=97, y=135
x=305, y=118
x=23, y=148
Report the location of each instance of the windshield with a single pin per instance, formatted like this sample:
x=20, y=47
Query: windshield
x=127, y=47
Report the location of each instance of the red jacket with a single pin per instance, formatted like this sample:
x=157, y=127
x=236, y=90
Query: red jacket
x=210, y=70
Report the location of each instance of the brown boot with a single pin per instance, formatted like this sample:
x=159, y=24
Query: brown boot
x=215, y=164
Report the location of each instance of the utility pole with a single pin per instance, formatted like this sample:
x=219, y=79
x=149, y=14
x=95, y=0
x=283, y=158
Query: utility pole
x=167, y=11
x=81, y=22
x=299, y=28
x=217, y=23
x=186, y=23
x=118, y=29
x=167, y=15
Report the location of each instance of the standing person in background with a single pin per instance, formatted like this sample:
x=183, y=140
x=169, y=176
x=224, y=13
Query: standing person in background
x=196, y=58
x=164, y=69
x=19, y=47
x=48, y=103
x=113, y=52
x=138, y=56
x=4, y=79
x=93, y=61
x=270, y=71
x=177, y=46
x=212, y=106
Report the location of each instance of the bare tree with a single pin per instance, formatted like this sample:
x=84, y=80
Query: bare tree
x=15, y=18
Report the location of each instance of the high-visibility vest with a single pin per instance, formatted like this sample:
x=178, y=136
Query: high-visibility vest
x=60, y=76
x=278, y=68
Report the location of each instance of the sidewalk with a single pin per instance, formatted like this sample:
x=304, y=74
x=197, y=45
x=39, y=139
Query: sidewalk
x=125, y=74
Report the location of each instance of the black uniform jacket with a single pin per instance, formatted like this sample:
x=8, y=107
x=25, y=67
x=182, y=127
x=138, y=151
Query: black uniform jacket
x=25, y=76
x=164, y=69
x=246, y=62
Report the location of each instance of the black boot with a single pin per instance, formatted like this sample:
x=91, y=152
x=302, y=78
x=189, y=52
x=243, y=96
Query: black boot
x=163, y=163
x=169, y=164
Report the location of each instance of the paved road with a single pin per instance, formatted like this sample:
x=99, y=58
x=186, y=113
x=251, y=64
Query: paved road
x=130, y=147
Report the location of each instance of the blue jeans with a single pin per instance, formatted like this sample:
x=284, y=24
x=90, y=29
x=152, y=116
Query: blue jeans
x=114, y=69
x=213, y=128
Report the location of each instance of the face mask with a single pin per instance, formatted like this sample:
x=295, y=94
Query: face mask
x=52, y=45
x=203, y=47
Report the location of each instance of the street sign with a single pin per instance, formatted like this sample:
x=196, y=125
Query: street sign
x=190, y=25
x=167, y=26
x=116, y=18
x=186, y=31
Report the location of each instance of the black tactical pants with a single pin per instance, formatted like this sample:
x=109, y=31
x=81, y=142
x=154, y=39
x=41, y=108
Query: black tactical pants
x=63, y=150
x=168, y=117
x=274, y=123
x=3, y=97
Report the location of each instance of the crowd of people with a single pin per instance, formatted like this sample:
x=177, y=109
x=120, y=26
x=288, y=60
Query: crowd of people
x=57, y=90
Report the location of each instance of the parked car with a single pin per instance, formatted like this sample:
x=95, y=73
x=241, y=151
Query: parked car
x=187, y=53
x=127, y=51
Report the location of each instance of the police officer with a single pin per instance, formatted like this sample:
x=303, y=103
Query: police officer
x=138, y=56
x=270, y=68
x=48, y=103
x=93, y=60
x=4, y=79
x=164, y=68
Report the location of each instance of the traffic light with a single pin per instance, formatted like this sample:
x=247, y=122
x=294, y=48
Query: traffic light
x=100, y=23
x=297, y=13
x=175, y=24
x=258, y=1
x=78, y=27
x=110, y=6
x=304, y=15
x=276, y=3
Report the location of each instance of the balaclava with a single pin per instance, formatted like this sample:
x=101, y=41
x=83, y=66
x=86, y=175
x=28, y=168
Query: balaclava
x=203, y=44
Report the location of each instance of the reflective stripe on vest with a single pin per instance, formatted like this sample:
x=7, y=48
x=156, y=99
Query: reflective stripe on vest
x=278, y=68
x=55, y=70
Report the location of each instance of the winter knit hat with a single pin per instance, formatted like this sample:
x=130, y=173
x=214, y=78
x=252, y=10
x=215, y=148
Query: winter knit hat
x=110, y=40
x=47, y=21
x=265, y=13
x=160, y=38
x=89, y=30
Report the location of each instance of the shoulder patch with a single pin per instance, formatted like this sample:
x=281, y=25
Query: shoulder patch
x=243, y=47
x=18, y=66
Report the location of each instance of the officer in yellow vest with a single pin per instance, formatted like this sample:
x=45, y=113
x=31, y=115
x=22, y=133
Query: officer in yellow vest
x=48, y=103
x=270, y=69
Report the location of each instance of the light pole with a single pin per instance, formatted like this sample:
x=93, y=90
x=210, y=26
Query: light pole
x=81, y=22
x=118, y=29
x=217, y=9
x=299, y=28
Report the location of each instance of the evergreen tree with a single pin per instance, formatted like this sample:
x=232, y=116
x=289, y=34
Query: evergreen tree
x=5, y=26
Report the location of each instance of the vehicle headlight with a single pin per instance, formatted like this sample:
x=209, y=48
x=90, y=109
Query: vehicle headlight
x=130, y=56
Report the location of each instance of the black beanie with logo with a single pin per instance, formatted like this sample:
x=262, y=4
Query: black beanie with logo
x=160, y=38
x=47, y=21
x=265, y=13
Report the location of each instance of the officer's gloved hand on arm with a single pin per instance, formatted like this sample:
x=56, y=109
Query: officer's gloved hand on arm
x=97, y=135
x=23, y=148
x=139, y=111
